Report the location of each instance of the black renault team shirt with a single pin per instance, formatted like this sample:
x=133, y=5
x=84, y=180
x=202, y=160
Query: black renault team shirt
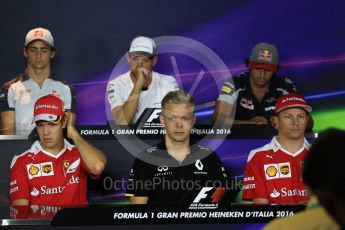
x=165, y=181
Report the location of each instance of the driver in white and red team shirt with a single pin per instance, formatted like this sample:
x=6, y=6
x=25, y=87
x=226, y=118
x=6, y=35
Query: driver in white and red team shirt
x=273, y=173
x=54, y=172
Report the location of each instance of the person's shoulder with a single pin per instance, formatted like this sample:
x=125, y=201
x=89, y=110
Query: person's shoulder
x=282, y=84
x=239, y=80
x=282, y=80
x=202, y=150
x=123, y=78
x=12, y=82
x=22, y=158
x=150, y=152
x=148, y=157
x=162, y=77
x=258, y=152
x=58, y=82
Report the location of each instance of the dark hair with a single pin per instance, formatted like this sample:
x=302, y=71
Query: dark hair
x=324, y=164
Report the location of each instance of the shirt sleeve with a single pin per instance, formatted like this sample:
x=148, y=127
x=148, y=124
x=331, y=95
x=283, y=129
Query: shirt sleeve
x=115, y=94
x=6, y=101
x=68, y=96
x=73, y=105
x=253, y=181
x=19, y=184
x=173, y=85
x=228, y=92
x=288, y=86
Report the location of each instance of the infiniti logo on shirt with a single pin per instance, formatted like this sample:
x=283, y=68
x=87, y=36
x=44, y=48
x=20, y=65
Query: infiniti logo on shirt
x=162, y=168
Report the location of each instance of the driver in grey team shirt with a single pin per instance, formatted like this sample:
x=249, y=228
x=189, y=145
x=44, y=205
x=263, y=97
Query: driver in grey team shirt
x=18, y=96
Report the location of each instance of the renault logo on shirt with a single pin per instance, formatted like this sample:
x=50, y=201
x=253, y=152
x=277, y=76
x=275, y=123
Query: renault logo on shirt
x=198, y=164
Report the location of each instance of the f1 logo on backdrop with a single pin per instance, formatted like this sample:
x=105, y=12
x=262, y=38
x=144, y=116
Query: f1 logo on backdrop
x=149, y=119
x=216, y=196
x=154, y=115
x=202, y=194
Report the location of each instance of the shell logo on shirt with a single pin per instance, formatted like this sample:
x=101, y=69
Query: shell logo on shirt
x=33, y=170
x=271, y=171
x=40, y=169
x=275, y=171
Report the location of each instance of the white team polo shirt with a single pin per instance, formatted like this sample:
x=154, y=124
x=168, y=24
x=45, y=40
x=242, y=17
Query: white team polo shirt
x=121, y=87
x=22, y=96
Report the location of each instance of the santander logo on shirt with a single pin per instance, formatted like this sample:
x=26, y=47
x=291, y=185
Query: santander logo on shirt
x=46, y=190
x=284, y=192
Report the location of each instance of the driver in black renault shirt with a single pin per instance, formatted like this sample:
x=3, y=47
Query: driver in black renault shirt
x=164, y=174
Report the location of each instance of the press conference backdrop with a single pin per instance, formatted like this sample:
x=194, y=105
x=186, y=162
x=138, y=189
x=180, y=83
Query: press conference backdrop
x=200, y=44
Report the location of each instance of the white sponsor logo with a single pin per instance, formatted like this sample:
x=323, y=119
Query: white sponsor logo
x=45, y=190
x=202, y=194
x=54, y=190
x=248, y=186
x=293, y=99
x=73, y=166
x=13, y=182
x=154, y=115
x=248, y=104
x=12, y=190
x=35, y=192
x=73, y=180
x=284, y=192
x=198, y=164
x=275, y=193
x=162, y=168
x=46, y=106
x=250, y=178
x=293, y=192
x=35, y=208
x=270, y=108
